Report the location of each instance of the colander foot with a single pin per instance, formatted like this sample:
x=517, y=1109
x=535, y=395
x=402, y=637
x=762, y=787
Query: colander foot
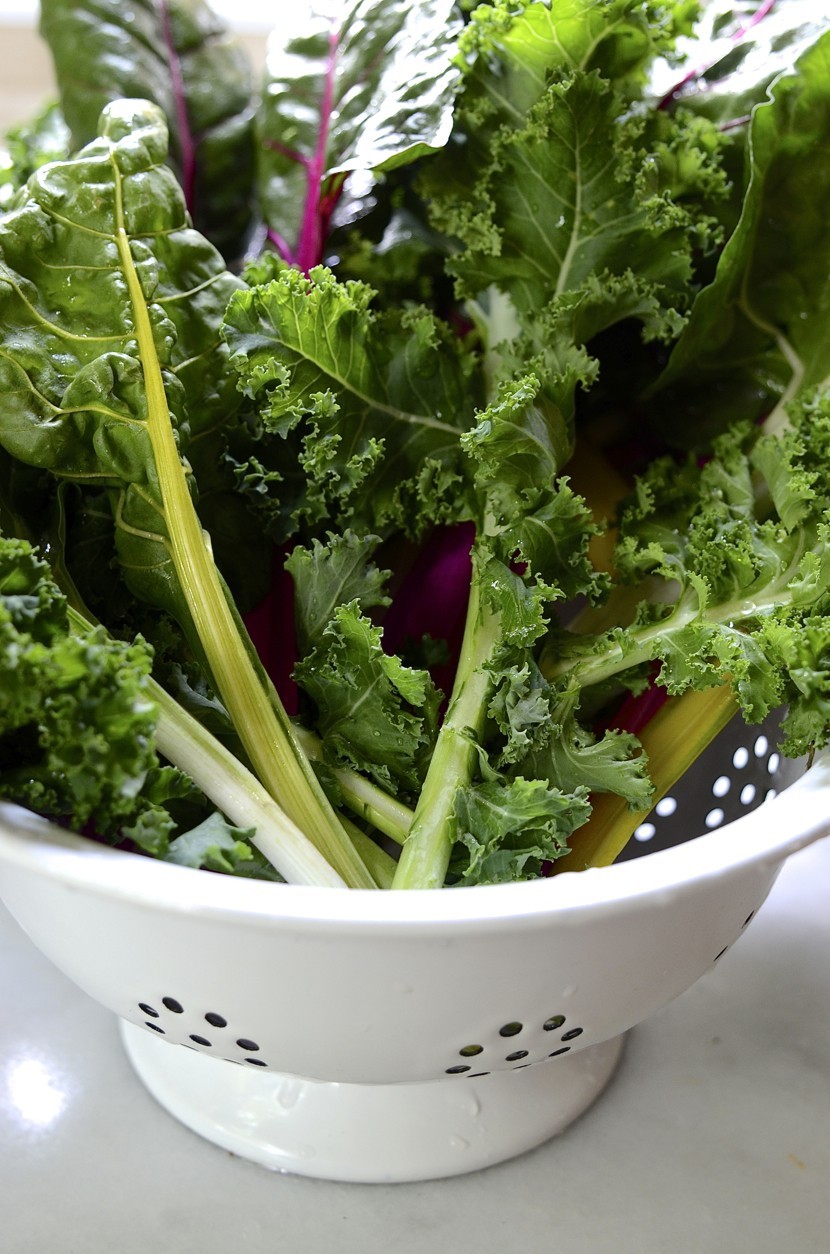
x=371, y=1133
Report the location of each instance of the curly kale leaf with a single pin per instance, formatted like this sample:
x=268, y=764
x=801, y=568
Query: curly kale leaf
x=329, y=575
x=380, y=399
x=740, y=576
x=568, y=198
x=757, y=334
x=509, y=830
x=373, y=713
x=76, y=723
x=217, y=846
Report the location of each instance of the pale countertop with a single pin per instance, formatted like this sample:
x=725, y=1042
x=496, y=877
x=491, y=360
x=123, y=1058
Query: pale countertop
x=714, y=1137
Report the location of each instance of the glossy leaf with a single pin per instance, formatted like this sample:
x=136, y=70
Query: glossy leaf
x=179, y=55
x=27, y=147
x=366, y=91
x=74, y=385
x=736, y=53
x=531, y=42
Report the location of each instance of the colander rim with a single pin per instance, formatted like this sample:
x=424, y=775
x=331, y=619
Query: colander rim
x=795, y=818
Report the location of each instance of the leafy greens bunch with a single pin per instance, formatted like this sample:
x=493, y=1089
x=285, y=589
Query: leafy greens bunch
x=499, y=289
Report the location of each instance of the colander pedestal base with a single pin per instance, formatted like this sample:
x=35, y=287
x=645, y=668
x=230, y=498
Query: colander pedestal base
x=371, y=1133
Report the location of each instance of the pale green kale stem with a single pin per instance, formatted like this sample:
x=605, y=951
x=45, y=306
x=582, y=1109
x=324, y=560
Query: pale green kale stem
x=426, y=853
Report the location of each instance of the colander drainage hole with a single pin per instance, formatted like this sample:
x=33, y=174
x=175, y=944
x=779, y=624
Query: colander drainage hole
x=511, y=1029
x=551, y=1024
x=216, y=1020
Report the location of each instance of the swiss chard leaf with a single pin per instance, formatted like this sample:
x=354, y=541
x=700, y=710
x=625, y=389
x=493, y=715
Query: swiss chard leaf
x=74, y=387
x=365, y=92
x=736, y=53
x=178, y=54
x=29, y=146
x=530, y=42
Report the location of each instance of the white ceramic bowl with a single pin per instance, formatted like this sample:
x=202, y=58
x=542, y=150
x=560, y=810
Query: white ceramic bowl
x=391, y=1036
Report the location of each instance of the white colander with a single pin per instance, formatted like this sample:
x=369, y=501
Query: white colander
x=402, y=1036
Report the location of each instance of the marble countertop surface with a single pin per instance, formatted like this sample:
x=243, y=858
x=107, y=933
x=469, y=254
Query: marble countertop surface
x=714, y=1137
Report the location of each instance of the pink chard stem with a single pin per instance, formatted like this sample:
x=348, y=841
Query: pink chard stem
x=698, y=72
x=187, y=145
x=319, y=201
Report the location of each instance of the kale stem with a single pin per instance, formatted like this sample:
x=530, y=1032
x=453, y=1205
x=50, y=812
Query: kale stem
x=363, y=798
x=426, y=853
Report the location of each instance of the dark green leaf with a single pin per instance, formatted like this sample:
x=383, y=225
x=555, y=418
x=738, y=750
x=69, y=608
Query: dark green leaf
x=567, y=199
x=76, y=720
x=506, y=831
x=373, y=713
x=329, y=575
x=178, y=54
x=365, y=92
x=71, y=371
x=759, y=332
x=29, y=146
x=380, y=398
